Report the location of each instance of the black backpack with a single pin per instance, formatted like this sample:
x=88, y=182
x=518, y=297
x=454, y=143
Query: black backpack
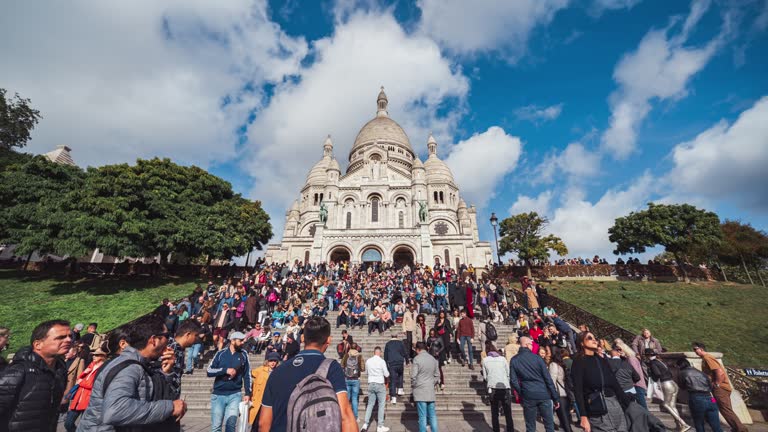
x=352, y=368
x=490, y=332
x=161, y=390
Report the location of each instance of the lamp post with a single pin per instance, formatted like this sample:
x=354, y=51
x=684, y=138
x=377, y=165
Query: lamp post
x=495, y=223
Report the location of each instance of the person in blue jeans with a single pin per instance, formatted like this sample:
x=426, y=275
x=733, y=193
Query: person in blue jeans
x=425, y=374
x=700, y=401
x=529, y=376
x=352, y=371
x=441, y=294
x=232, y=373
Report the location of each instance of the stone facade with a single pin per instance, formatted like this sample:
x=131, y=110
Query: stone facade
x=372, y=212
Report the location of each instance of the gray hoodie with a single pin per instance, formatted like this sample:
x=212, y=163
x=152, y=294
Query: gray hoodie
x=124, y=403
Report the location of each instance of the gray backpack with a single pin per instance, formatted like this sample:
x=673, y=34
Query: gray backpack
x=313, y=404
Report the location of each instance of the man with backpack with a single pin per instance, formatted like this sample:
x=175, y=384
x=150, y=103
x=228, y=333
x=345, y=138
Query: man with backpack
x=232, y=371
x=353, y=366
x=126, y=393
x=309, y=390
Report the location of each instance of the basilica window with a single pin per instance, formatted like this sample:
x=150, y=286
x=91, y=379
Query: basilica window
x=349, y=220
x=447, y=257
x=306, y=257
x=435, y=194
x=374, y=209
x=316, y=196
x=400, y=220
x=442, y=201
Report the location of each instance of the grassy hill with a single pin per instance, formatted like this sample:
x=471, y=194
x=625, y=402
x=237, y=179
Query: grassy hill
x=27, y=300
x=730, y=318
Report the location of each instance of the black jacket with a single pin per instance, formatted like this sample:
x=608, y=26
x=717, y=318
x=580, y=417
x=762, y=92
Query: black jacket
x=659, y=371
x=625, y=374
x=695, y=381
x=30, y=393
x=394, y=353
x=529, y=376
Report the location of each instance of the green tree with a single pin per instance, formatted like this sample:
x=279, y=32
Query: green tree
x=34, y=192
x=523, y=235
x=17, y=119
x=157, y=207
x=742, y=245
x=680, y=228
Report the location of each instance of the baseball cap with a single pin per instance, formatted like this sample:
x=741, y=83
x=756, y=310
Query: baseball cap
x=79, y=326
x=236, y=335
x=273, y=356
x=276, y=334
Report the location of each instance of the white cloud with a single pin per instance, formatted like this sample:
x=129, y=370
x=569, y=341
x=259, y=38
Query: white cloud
x=727, y=162
x=336, y=94
x=599, y=6
x=480, y=163
x=537, y=114
x=539, y=204
x=659, y=69
x=575, y=162
x=583, y=225
x=117, y=81
x=469, y=27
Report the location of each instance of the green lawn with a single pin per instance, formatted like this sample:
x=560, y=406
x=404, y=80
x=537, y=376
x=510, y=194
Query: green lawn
x=27, y=300
x=729, y=318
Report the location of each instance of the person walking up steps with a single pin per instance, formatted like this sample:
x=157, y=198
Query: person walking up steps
x=353, y=366
x=721, y=386
x=377, y=371
x=530, y=377
x=396, y=357
x=496, y=372
x=425, y=374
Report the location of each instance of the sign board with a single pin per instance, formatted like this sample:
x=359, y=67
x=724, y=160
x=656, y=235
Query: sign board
x=756, y=372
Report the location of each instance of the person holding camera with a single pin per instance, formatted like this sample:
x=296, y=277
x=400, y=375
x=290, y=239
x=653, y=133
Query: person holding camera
x=496, y=373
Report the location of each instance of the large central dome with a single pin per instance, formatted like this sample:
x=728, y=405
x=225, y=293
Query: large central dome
x=381, y=129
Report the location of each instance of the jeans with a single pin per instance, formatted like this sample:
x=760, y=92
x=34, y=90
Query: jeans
x=640, y=396
x=499, y=399
x=703, y=410
x=192, y=354
x=342, y=319
x=468, y=353
x=395, y=379
x=224, y=408
x=353, y=391
x=72, y=415
x=441, y=304
x=376, y=392
x=427, y=414
x=544, y=408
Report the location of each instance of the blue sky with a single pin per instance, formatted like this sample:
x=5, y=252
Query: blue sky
x=581, y=110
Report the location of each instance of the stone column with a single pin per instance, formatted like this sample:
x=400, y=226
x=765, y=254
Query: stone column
x=426, y=243
x=316, y=253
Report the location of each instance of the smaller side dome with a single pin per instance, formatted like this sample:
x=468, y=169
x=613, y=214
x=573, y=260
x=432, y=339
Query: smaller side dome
x=417, y=164
x=334, y=165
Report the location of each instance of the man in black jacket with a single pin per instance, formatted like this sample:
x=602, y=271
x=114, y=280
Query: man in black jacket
x=700, y=401
x=31, y=388
x=395, y=355
x=529, y=376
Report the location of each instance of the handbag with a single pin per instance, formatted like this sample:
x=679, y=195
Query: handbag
x=596, y=405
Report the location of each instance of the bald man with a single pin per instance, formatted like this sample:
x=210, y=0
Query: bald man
x=529, y=376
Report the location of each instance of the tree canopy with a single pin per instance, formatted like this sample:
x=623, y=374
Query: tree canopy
x=680, y=228
x=743, y=245
x=17, y=119
x=154, y=207
x=523, y=235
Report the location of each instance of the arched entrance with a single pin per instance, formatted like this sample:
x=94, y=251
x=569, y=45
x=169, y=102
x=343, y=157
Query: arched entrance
x=402, y=256
x=340, y=254
x=371, y=257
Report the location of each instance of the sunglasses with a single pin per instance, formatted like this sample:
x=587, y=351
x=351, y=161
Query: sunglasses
x=164, y=335
x=590, y=338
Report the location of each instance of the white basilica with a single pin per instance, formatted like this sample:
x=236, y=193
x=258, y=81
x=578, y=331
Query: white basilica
x=388, y=206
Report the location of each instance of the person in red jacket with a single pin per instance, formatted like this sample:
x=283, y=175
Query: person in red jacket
x=84, y=388
x=466, y=334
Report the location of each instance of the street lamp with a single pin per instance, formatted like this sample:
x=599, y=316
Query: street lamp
x=495, y=223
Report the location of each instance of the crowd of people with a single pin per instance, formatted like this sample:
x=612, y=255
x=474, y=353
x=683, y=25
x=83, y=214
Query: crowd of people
x=132, y=378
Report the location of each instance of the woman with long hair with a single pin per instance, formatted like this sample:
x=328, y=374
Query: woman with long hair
x=641, y=388
x=554, y=361
x=444, y=329
x=596, y=390
x=437, y=349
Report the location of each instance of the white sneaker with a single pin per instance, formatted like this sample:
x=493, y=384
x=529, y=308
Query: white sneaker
x=400, y=391
x=448, y=361
x=394, y=400
x=382, y=429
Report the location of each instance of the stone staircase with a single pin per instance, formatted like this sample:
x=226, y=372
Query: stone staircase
x=461, y=405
